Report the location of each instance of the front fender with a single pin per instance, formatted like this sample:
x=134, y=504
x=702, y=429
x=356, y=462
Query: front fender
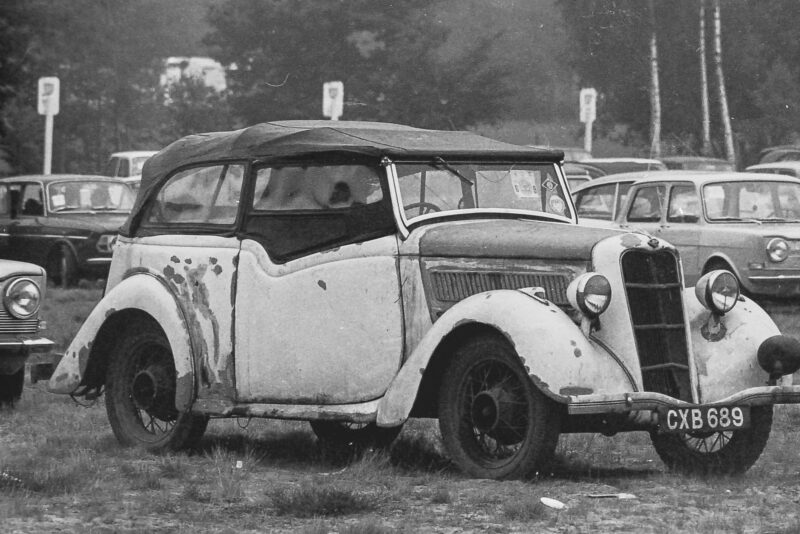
x=559, y=358
x=144, y=293
x=725, y=351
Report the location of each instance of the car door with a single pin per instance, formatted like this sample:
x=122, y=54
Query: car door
x=5, y=220
x=318, y=307
x=26, y=231
x=646, y=208
x=682, y=227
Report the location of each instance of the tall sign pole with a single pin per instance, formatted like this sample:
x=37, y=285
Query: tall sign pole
x=48, y=101
x=332, y=100
x=588, y=103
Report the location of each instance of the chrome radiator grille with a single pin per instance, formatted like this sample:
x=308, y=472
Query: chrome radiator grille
x=453, y=286
x=10, y=325
x=654, y=292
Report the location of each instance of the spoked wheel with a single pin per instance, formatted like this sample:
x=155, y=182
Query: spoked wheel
x=494, y=422
x=340, y=434
x=11, y=387
x=716, y=453
x=140, y=397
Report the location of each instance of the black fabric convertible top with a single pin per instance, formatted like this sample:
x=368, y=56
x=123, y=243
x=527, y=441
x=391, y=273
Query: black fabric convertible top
x=296, y=138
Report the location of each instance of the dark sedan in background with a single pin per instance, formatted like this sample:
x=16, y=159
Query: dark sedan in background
x=65, y=223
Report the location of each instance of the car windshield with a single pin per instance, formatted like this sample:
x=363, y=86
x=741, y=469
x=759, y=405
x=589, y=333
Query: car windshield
x=90, y=196
x=752, y=201
x=445, y=186
x=137, y=164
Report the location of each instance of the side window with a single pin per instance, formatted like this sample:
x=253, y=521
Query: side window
x=622, y=196
x=597, y=202
x=298, y=210
x=647, y=204
x=32, y=200
x=5, y=204
x=684, y=206
x=111, y=167
x=200, y=195
x=124, y=168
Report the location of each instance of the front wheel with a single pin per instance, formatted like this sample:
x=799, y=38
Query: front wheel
x=62, y=267
x=494, y=422
x=140, y=394
x=11, y=387
x=716, y=453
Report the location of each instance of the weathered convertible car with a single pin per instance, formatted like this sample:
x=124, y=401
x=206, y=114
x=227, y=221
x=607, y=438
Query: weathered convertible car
x=358, y=274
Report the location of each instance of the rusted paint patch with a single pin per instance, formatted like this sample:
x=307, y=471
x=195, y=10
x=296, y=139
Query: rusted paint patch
x=175, y=259
x=110, y=312
x=541, y=384
x=575, y=390
x=630, y=240
x=213, y=261
x=322, y=284
x=172, y=276
x=217, y=270
x=188, y=261
x=83, y=356
x=577, y=352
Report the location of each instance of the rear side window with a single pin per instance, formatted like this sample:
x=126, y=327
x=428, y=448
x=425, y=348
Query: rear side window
x=648, y=204
x=684, y=206
x=206, y=195
x=597, y=202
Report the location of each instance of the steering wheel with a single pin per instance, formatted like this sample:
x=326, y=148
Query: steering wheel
x=424, y=207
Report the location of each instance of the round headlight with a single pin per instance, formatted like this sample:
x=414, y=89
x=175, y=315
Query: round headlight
x=590, y=293
x=718, y=291
x=22, y=298
x=777, y=249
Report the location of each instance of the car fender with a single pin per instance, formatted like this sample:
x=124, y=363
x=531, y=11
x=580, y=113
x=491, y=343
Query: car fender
x=725, y=348
x=559, y=358
x=146, y=293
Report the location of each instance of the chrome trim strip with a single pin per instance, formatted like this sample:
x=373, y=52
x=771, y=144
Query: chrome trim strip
x=775, y=278
x=99, y=260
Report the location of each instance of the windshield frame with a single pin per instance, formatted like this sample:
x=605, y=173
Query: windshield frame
x=49, y=195
x=405, y=224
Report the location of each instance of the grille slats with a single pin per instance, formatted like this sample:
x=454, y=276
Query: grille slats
x=654, y=292
x=10, y=325
x=453, y=286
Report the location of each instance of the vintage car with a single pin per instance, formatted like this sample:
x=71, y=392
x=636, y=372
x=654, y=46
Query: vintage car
x=779, y=153
x=357, y=274
x=67, y=223
x=23, y=286
x=789, y=168
x=697, y=163
x=746, y=223
x=128, y=165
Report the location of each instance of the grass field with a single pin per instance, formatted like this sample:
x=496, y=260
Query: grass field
x=62, y=470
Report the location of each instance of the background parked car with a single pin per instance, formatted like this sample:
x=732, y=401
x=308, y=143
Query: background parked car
x=66, y=223
x=576, y=174
x=597, y=167
x=23, y=286
x=746, y=223
x=779, y=153
x=697, y=163
x=128, y=165
x=787, y=168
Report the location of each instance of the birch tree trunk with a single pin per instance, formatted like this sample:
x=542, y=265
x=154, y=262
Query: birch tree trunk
x=730, y=153
x=706, y=117
x=655, y=94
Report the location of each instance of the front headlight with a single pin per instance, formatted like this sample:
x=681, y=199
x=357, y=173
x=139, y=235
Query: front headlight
x=590, y=293
x=777, y=249
x=718, y=291
x=22, y=298
x=106, y=243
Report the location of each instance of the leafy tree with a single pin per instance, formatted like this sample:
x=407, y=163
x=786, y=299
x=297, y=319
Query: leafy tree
x=385, y=54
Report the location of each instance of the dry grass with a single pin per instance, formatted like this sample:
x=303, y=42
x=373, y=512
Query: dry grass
x=62, y=470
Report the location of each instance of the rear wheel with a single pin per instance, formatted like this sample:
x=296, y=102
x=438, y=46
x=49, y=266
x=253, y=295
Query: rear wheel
x=11, y=387
x=62, y=266
x=716, y=453
x=494, y=422
x=140, y=395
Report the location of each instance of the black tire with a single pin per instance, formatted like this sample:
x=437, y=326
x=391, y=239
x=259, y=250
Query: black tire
x=11, y=387
x=140, y=394
x=339, y=434
x=494, y=422
x=717, y=453
x=62, y=267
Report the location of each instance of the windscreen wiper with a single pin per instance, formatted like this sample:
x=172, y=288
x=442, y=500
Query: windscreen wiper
x=440, y=162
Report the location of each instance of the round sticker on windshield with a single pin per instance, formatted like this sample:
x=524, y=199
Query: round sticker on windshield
x=557, y=205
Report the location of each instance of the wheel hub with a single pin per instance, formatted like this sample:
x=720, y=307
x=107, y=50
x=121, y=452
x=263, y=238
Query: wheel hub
x=495, y=412
x=153, y=391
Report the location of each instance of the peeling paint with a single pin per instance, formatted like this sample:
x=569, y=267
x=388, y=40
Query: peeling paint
x=212, y=260
x=217, y=270
x=630, y=240
x=110, y=312
x=175, y=259
x=577, y=352
x=188, y=261
x=322, y=284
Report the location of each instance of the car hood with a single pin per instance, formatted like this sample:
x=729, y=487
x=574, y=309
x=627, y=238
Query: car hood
x=10, y=268
x=510, y=239
x=98, y=222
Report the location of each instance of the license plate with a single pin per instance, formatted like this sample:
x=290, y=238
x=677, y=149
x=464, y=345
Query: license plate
x=703, y=419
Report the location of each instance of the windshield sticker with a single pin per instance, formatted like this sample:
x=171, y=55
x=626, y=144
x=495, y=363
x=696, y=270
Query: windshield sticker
x=57, y=201
x=524, y=185
x=557, y=205
x=550, y=185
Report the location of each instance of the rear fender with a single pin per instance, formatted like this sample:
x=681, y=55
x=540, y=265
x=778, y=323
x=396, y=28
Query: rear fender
x=141, y=293
x=561, y=361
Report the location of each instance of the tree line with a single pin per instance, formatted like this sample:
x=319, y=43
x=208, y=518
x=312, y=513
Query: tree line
x=436, y=64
